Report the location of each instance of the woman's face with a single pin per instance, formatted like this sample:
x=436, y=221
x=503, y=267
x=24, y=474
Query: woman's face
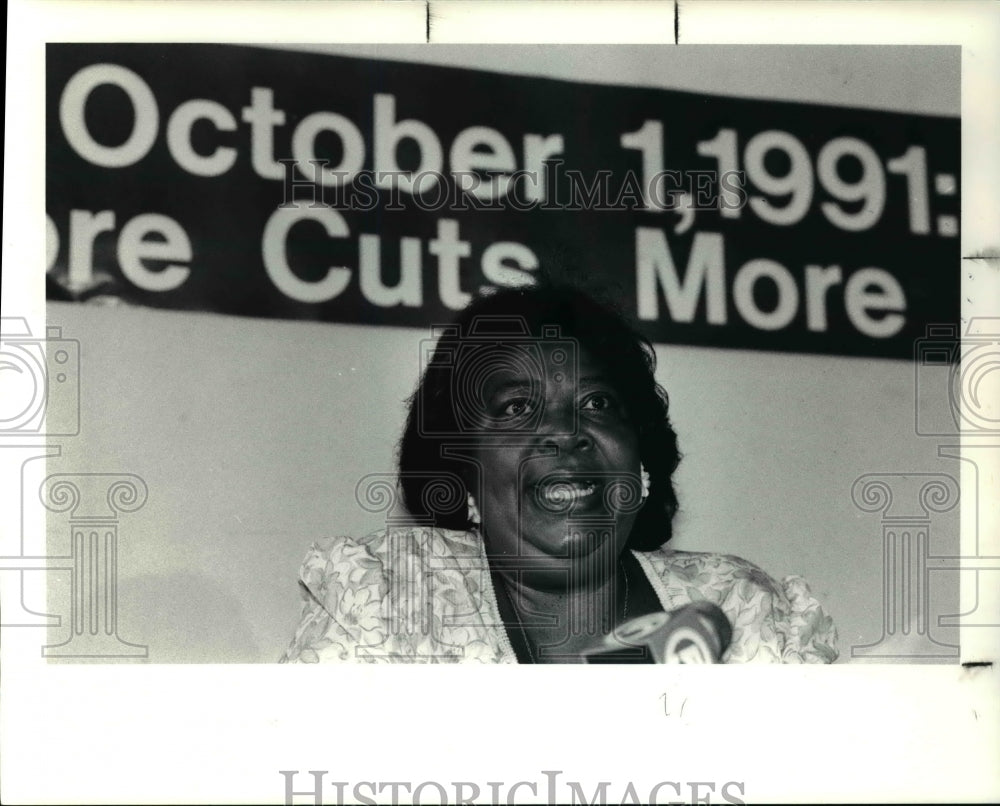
x=558, y=465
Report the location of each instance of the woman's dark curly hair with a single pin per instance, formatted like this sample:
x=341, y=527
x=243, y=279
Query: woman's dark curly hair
x=435, y=420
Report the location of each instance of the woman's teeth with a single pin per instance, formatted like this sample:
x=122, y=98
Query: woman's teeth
x=563, y=493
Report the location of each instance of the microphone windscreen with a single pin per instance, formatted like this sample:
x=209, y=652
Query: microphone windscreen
x=698, y=632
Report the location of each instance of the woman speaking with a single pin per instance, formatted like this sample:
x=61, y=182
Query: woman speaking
x=536, y=470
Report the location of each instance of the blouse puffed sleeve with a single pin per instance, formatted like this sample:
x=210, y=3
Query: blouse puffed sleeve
x=808, y=633
x=773, y=622
x=343, y=587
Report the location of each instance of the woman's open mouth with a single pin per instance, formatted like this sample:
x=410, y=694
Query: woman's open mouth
x=559, y=493
x=565, y=492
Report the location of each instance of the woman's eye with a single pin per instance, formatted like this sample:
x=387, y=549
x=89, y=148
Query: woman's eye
x=515, y=408
x=598, y=402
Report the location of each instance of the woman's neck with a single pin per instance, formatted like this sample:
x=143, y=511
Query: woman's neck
x=557, y=625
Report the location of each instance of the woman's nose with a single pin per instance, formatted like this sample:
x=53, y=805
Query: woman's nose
x=559, y=425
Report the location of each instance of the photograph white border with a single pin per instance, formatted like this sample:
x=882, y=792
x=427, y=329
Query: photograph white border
x=220, y=734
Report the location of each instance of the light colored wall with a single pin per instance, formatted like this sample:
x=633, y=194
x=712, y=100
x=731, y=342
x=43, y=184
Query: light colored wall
x=918, y=79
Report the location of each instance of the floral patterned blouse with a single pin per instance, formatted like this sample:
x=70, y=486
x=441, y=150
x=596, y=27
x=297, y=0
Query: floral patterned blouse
x=422, y=595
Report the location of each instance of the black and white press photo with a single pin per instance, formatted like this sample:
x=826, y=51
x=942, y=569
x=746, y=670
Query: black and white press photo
x=365, y=395
x=416, y=321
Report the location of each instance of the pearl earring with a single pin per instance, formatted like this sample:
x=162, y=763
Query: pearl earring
x=474, y=517
x=644, y=476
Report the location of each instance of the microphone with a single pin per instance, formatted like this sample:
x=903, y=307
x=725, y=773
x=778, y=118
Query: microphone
x=695, y=633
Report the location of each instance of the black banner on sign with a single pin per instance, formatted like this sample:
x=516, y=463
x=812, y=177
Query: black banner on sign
x=282, y=184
